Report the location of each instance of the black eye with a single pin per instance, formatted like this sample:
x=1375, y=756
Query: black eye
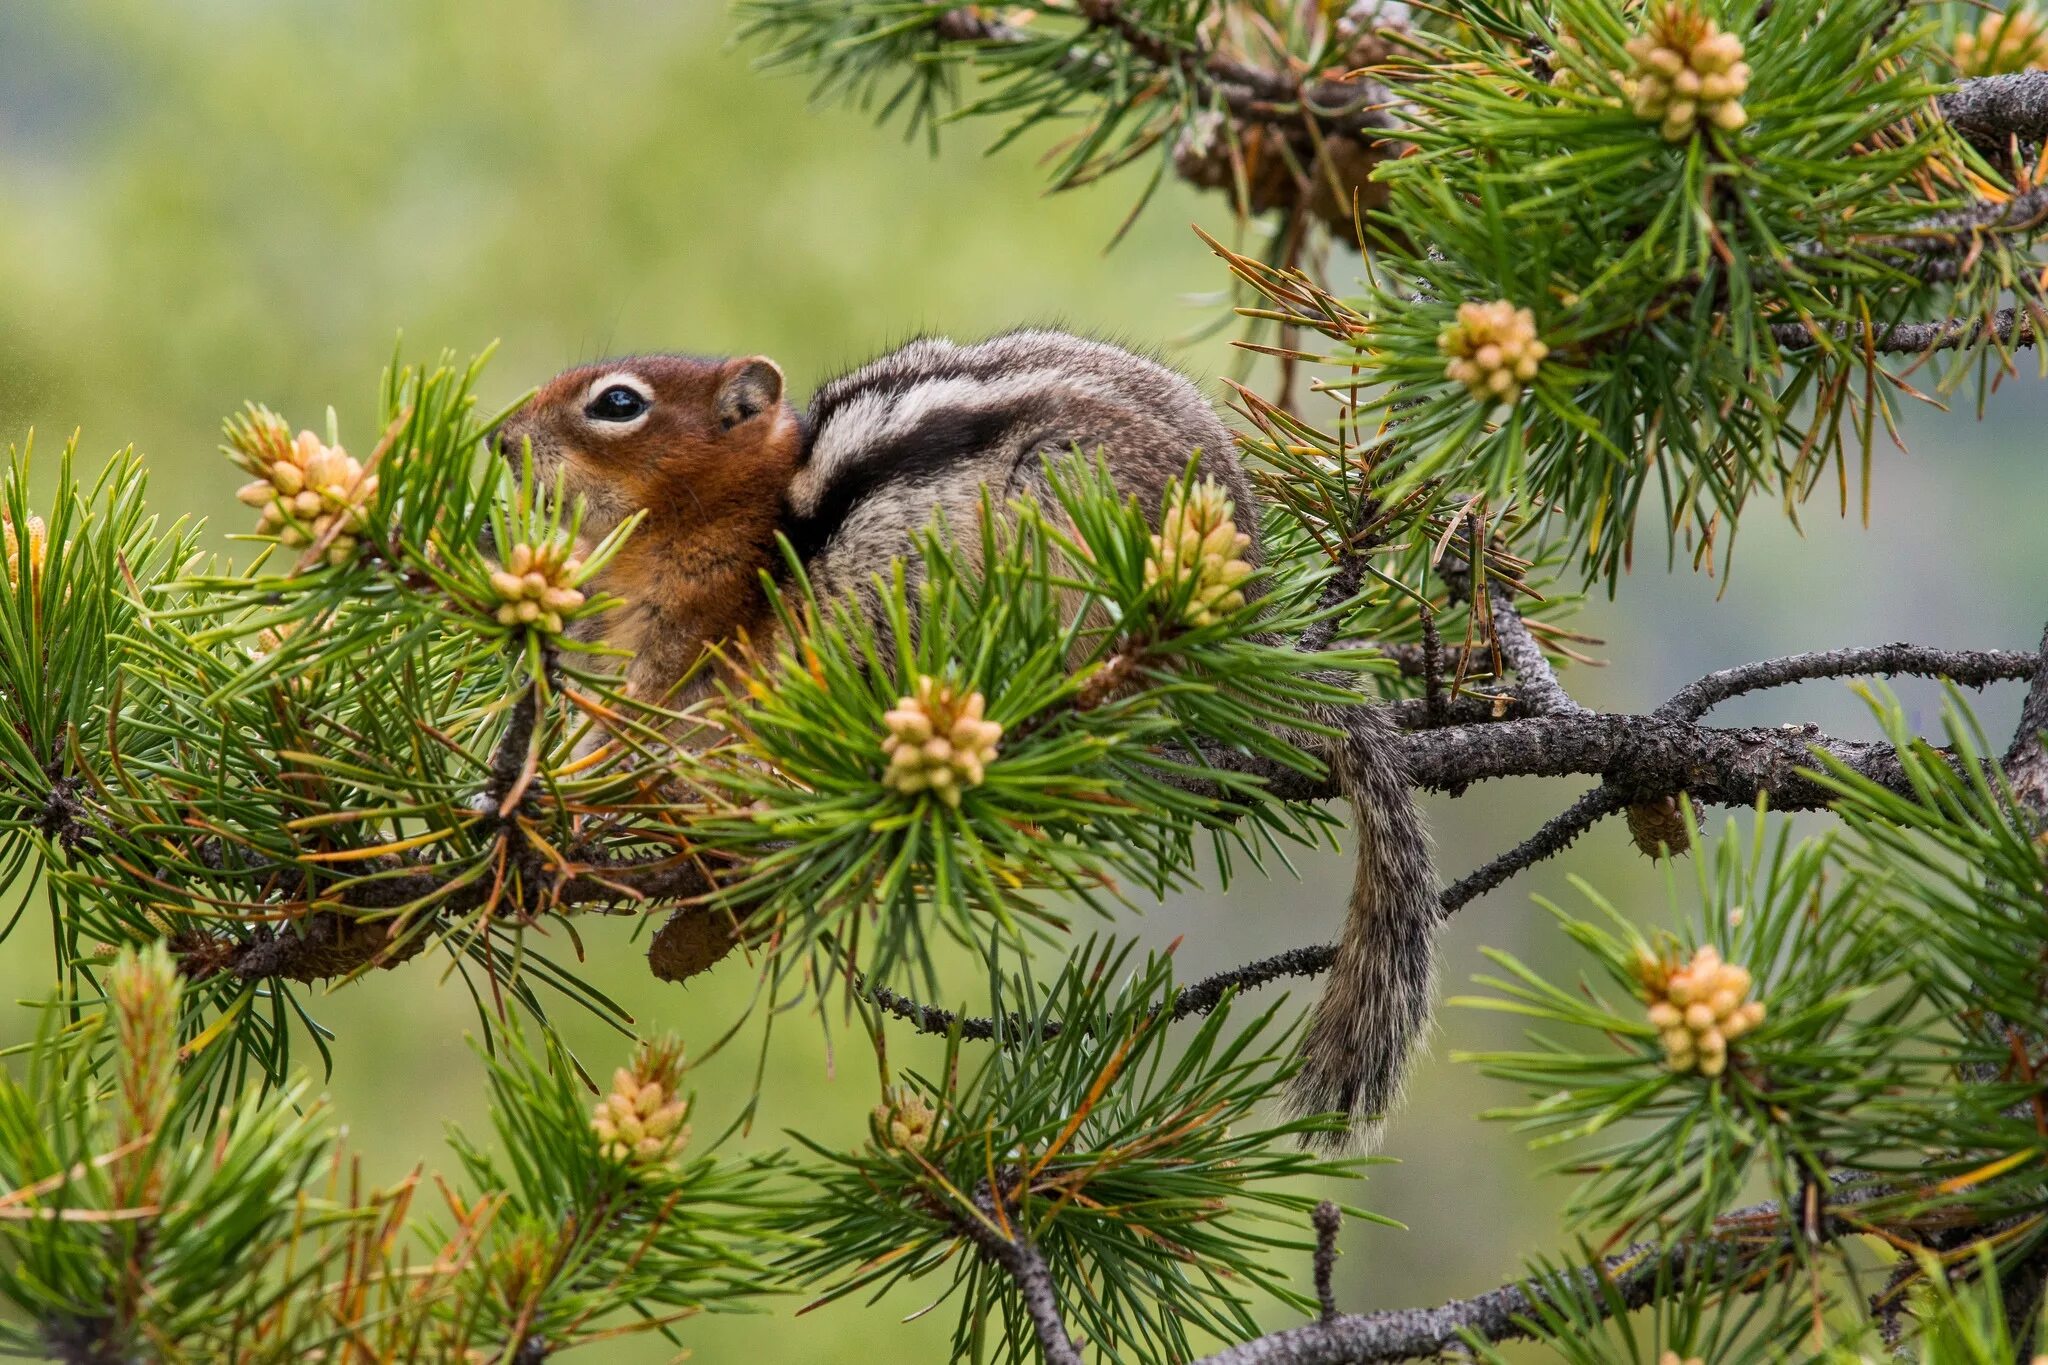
x=616, y=404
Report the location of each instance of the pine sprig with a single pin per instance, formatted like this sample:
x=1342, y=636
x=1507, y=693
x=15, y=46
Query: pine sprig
x=1811, y=1085
x=1136, y=1165
x=1103, y=687
x=125, y=1233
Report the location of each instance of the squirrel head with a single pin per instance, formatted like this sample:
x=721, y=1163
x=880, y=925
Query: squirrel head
x=682, y=437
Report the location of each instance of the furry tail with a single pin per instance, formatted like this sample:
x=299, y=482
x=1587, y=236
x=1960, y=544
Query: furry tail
x=1380, y=991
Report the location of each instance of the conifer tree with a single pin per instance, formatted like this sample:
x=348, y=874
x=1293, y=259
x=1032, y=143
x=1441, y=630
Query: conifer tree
x=1632, y=268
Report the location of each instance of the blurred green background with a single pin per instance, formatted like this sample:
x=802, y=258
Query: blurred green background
x=219, y=200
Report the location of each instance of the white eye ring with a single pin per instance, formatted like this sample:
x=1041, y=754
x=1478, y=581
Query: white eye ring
x=618, y=379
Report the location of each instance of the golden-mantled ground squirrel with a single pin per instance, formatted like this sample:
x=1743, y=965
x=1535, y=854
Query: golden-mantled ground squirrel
x=721, y=463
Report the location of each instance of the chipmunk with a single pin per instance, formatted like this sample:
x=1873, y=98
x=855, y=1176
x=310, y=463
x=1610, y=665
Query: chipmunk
x=722, y=464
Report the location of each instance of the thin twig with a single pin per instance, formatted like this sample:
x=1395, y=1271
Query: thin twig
x=1021, y=1261
x=1630, y=1278
x=1327, y=1221
x=2007, y=326
x=1966, y=667
x=1541, y=692
x=1556, y=835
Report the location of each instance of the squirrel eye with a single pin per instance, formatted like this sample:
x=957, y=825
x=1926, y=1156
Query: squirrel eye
x=616, y=404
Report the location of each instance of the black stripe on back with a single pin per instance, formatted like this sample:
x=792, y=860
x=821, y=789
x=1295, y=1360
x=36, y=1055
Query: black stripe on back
x=945, y=437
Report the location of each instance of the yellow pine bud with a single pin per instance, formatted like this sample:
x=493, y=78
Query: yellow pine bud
x=1199, y=545
x=936, y=740
x=1698, y=1007
x=1687, y=73
x=903, y=1121
x=143, y=992
x=536, y=587
x=1492, y=349
x=640, y=1122
x=38, y=548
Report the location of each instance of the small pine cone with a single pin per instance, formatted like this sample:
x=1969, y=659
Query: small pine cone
x=1699, y=1008
x=307, y=491
x=1659, y=827
x=38, y=548
x=938, y=741
x=903, y=1121
x=1688, y=74
x=693, y=940
x=1198, y=541
x=2003, y=44
x=1674, y=1358
x=537, y=587
x=1492, y=349
x=640, y=1122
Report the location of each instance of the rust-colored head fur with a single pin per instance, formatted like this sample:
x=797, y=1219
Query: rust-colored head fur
x=706, y=447
x=690, y=440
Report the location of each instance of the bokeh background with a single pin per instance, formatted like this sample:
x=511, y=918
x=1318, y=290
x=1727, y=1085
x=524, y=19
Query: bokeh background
x=219, y=200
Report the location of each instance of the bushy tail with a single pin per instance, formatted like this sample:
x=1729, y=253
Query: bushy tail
x=1381, y=989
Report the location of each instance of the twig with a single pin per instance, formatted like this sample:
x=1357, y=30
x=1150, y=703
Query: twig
x=2007, y=326
x=1633, y=1277
x=1021, y=1261
x=1556, y=835
x=1967, y=667
x=1310, y=960
x=1542, y=693
x=1327, y=1223
x=2026, y=762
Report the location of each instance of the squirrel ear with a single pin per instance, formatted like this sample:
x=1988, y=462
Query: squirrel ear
x=749, y=391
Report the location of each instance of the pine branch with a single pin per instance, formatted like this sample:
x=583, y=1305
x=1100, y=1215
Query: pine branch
x=1742, y=1241
x=1541, y=692
x=2026, y=762
x=1311, y=960
x=1991, y=112
x=1966, y=667
x=1021, y=1261
x=1251, y=93
x=1944, y=247
x=1639, y=757
x=1644, y=757
x=1635, y=1277
x=326, y=943
x=2007, y=327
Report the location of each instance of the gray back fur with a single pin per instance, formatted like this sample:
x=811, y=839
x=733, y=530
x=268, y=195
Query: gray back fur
x=925, y=428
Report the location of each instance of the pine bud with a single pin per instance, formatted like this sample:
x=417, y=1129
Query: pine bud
x=2003, y=44
x=1199, y=543
x=143, y=990
x=1493, y=349
x=537, y=587
x=1674, y=1358
x=1687, y=73
x=1699, y=1008
x=903, y=1121
x=38, y=549
x=937, y=741
x=640, y=1123
x=306, y=490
